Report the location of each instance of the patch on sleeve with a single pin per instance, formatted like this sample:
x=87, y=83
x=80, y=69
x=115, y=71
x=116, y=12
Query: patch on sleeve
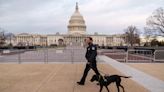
x=93, y=48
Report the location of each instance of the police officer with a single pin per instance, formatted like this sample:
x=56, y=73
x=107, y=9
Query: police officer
x=91, y=58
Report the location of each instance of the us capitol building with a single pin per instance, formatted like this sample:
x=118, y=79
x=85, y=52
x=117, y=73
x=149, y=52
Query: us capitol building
x=75, y=36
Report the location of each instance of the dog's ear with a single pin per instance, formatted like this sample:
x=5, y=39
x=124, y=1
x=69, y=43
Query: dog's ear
x=93, y=78
x=98, y=76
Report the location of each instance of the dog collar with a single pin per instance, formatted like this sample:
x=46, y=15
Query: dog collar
x=99, y=77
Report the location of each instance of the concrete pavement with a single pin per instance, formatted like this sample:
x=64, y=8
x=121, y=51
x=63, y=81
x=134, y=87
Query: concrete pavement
x=55, y=78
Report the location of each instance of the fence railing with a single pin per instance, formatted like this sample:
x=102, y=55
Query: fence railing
x=159, y=56
x=139, y=56
x=45, y=55
x=76, y=54
x=134, y=55
x=116, y=54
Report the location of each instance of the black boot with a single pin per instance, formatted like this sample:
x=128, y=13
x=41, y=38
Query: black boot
x=80, y=83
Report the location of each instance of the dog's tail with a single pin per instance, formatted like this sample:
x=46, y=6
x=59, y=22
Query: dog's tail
x=126, y=76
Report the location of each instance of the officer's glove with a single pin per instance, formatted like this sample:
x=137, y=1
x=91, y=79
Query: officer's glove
x=89, y=63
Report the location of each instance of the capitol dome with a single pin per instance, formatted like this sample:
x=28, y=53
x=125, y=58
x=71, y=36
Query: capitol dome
x=76, y=23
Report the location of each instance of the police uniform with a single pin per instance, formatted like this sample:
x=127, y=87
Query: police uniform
x=91, y=58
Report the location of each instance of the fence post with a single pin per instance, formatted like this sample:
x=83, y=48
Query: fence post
x=47, y=56
x=154, y=55
x=44, y=51
x=72, y=54
x=127, y=56
x=19, y=58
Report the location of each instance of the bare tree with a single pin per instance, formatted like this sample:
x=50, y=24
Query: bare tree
x=2, y=37
x=148, y=34
x=155, y=23
x=9, y=37
x=132, y=35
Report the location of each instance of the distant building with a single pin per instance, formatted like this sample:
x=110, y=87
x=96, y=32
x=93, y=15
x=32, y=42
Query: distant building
x=75, y=36
x=26, y=39
x=54, y=39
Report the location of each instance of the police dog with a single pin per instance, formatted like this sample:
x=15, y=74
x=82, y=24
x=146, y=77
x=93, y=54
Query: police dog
x=106, y=80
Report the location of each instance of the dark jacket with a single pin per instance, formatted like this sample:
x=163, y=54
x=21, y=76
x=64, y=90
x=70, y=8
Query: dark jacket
x=91, y=53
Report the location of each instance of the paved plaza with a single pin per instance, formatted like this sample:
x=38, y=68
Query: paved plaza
x=55, y=78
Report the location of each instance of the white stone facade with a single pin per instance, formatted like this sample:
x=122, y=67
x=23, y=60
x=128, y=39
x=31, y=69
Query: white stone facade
x=54, y=39
x=26, y=39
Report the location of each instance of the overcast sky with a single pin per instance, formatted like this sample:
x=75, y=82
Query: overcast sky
x=51, y=16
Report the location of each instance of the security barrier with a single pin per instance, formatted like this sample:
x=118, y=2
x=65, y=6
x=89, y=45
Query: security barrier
x=46, y=55
x=159, y=56
x=139, y=56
